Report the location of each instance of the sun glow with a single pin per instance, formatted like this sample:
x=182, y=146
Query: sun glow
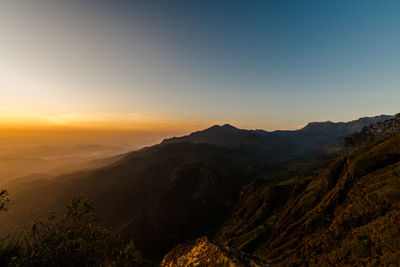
x=28, y=119
x=20, y=128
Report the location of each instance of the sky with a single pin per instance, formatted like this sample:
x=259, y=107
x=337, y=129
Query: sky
x=177, y=66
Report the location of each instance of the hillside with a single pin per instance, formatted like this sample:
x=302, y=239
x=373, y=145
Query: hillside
x=160, y=196
x=375, y=132
x=349, y=213
x=241, y=191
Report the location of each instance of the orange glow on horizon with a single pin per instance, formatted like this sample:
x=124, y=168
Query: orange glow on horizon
x=21, y=128
x=135, y=129
x=132, y=121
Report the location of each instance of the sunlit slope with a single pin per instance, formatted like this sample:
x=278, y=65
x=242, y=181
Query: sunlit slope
x=350, y=213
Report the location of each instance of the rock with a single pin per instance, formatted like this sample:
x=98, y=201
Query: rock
x=202, y=252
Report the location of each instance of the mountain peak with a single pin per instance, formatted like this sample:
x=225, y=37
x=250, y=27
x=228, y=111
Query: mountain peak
x=225, y=135
x=225, y=126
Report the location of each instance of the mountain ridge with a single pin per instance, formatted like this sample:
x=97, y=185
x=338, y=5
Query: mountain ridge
x=315, y=138
x=358, y=123
x=354, y=125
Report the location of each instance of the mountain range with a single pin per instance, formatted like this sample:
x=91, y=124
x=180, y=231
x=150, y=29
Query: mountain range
x=315, y=138
x=270, y=194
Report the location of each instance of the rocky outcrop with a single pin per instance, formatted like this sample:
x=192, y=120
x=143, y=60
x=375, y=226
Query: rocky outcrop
x=375, y=133
x=202, y=252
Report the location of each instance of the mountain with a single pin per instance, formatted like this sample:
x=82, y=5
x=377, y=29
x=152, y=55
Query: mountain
x=231, y=184
x=315, y=138
x=160, y=196
x=349, y=213
x=226, y=135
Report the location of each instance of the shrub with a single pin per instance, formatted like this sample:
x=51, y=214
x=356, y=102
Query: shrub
x=74, y=239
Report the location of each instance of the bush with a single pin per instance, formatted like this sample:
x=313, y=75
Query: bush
x=75, y=239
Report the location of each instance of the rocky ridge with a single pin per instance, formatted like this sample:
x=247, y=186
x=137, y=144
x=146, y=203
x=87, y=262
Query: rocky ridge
x=202, y=252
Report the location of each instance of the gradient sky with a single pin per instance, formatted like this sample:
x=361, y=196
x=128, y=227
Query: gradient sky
x=256, y=64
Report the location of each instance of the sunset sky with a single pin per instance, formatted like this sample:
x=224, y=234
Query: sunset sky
x=184, y=65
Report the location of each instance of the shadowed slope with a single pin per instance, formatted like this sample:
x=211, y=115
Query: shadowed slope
x=160, y=196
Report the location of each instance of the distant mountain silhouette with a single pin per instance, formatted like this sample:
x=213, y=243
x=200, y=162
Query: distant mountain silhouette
x=316, y=137
x=226, y=135
x=333, y=129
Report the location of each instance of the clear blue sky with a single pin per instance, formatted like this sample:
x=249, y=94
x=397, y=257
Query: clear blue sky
x=258, y=64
